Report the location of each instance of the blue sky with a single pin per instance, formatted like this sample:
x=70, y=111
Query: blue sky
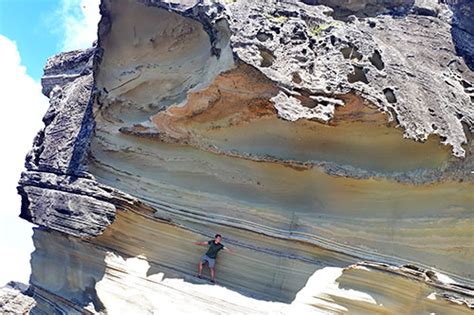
x=42, y=28
x=30, y=32
x=31, y=24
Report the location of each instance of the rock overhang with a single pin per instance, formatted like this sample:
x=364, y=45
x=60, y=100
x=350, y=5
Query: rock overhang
x=330, y=58
x=263, y=68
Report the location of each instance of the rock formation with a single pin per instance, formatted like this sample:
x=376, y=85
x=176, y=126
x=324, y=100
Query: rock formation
x=329, y=142
x=14, y=299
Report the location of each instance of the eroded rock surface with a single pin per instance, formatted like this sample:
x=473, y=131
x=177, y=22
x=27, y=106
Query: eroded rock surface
x=14, y=299
x=330, y=144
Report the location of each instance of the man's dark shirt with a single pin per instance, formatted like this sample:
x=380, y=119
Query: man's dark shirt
x=213, y=249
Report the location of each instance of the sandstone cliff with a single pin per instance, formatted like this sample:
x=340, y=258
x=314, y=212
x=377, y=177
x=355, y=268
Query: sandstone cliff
x=330, y=142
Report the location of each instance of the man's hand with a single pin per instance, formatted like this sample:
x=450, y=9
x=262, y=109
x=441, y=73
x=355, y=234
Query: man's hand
x=200, y=243
x=230, y=250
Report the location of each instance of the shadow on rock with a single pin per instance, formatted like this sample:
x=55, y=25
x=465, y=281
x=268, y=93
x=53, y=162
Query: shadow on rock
x=462, y=29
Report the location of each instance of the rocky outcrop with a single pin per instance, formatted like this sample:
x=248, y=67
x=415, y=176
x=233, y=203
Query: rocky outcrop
x=330, y=145
x=14, y=299
x=66, y=67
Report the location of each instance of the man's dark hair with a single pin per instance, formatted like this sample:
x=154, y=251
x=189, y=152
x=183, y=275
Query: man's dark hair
x=218, y=235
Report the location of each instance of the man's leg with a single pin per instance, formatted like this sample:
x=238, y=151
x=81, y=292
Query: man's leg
x=213, y=274
x=200, y=268
x=212, y=267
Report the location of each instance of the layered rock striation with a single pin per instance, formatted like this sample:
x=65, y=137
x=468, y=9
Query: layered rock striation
x=330, y=144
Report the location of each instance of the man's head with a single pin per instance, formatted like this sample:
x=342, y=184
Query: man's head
x=217, y=238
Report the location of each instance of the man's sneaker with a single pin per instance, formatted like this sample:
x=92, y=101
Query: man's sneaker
x=199, y=276
x=213, y=281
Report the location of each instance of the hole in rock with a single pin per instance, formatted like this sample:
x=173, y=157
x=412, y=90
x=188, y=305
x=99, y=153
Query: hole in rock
x=465, y=84
x=357, y=76
x=306, y=101
x=261, y=36
x=296, y=78
x=448, y=83
x=376, y=60
x=389, y=95
x=298, y=36
x=286, y=13
x=275, y=29
x=267, y=57
x=351, y=53
x=302, y=59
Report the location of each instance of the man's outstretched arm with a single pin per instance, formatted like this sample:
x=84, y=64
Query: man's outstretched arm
x=230, y=250
x=201, y=243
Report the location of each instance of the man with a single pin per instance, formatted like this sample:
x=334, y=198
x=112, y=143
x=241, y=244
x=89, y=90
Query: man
x=210, y=256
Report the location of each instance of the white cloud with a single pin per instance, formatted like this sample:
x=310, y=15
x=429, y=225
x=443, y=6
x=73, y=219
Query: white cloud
x=22, y=108
x=21, y=111
x=79, y=19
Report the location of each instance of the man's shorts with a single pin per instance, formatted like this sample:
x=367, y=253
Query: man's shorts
x=206, y=259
